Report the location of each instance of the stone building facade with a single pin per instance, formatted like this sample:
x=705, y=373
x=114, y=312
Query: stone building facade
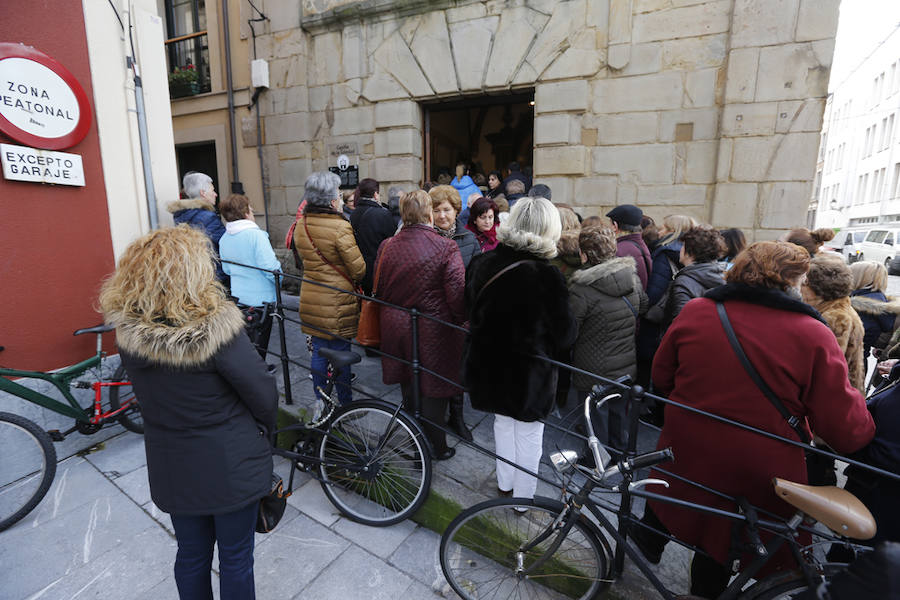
x=710, y=108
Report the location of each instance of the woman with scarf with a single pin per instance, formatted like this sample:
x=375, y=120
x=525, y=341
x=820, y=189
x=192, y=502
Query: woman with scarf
x=483, y=220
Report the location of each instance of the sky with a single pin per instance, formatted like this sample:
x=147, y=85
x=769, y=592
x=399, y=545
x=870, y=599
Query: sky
x=862, y=26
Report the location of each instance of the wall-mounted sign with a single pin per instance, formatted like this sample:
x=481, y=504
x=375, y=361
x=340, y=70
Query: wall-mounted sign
x=41, y=102
x=21, y=163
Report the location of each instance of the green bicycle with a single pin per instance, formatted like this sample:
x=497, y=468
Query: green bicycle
x=29, y=458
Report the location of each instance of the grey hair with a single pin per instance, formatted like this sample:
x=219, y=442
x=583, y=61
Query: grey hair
x=322, y=188
x=194, y=183
x=533, y=226
x=395, y=192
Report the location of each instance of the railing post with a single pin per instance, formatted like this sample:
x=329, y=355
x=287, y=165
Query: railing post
x=416, y=366
x=285, y=366
x=634, y=402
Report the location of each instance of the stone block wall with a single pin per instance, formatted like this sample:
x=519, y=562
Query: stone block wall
x=704, y=107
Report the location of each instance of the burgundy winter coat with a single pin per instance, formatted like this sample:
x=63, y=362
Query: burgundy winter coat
x=423, y=270
x=797, y=356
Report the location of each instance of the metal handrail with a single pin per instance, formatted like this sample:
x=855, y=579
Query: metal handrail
x=631, y=393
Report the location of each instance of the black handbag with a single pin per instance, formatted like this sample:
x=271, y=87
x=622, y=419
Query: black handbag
x=271, y=506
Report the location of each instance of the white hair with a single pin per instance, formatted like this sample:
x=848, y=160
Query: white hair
x=533, y=226
x=321, y=188
x=194, y=183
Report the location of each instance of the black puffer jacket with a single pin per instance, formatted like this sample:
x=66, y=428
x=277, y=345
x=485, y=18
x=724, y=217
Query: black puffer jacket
x=524, y=312
x=692, y=282
x=605, y=300
x=372, y=224
x=208, y=406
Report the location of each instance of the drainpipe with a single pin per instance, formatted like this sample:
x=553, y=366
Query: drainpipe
x=142, y=131
x=236, y=186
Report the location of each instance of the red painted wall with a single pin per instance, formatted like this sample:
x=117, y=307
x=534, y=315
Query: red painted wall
x=55, y=246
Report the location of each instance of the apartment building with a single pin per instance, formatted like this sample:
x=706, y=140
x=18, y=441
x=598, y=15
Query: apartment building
x=858, y=177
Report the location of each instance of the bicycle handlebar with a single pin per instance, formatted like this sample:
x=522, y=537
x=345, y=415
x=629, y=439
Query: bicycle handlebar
x=647, y=460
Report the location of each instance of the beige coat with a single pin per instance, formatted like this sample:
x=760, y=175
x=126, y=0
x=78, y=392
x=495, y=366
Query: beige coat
x=848, y=329
x=324, y=310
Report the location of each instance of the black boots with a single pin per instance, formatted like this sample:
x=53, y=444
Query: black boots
x=455, y=422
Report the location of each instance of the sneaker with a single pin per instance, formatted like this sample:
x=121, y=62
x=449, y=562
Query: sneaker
x=353, y=377
x=271, y=368
x=504, y=493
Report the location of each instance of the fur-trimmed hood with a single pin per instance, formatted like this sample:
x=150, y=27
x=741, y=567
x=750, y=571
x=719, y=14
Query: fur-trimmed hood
x=185, y=346
x=188, y=203
x=614, y=277
x=871, y=306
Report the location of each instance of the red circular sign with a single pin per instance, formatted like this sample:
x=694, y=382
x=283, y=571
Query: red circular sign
x=27, y=103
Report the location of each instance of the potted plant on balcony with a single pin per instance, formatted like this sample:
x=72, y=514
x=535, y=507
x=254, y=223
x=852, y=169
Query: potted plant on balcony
x=183, y=81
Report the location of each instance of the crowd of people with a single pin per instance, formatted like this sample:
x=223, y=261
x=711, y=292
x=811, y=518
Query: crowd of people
x=503, y=279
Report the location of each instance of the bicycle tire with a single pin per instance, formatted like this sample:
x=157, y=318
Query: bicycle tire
x=27, y=468
x=478, y=553
x=131, y=418
x=400, y=478
x=784, y=586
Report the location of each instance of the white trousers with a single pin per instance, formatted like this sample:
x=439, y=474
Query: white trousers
x=523, y=444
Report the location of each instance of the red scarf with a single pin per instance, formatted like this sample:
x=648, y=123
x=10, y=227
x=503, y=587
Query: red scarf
x=486, y=239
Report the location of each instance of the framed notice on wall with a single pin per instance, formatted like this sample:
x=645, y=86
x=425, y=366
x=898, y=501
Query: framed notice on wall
x=42, y=105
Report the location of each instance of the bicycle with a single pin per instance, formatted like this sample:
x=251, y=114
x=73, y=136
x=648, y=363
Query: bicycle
x=29, y=458
x=546, y=548
x=370, y=457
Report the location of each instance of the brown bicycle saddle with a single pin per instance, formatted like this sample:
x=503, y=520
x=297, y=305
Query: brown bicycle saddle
x=837, y=509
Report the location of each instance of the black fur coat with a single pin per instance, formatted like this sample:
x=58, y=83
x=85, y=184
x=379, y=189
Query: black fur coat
x=523, y=315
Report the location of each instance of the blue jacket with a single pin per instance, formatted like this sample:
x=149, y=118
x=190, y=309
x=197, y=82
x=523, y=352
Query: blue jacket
x=199, y=213
x=466, y=187
x=877, y=314
x=661, y=276
x=244, y=242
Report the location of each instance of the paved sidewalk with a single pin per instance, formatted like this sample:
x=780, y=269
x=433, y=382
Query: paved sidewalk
x=98, y=535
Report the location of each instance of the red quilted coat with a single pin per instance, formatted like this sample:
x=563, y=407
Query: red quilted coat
x=423, y=270
x=797, y=356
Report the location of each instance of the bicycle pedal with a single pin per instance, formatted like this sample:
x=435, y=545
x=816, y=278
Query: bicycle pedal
x=82, y=385
x=56, y=435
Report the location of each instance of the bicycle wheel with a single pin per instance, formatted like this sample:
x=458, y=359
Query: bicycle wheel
x=784, y=586
x=375, y=469
x=480, y=553
x=27, y=467
x=121, y=395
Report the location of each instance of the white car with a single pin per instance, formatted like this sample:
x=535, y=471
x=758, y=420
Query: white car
x=880, y=246
x=847, y=243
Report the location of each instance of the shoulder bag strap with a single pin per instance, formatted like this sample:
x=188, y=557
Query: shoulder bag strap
x=792, y=420
x=325, y=260
x=630, y=306
x=498, y=274
x=378, y=268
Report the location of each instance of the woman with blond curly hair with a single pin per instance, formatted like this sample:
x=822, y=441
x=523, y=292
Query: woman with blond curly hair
x=207, y=402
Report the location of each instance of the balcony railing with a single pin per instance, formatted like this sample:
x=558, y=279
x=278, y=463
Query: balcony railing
x=188, y=65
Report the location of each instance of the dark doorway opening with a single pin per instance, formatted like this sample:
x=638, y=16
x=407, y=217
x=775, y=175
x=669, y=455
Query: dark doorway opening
x=200, y=157
x=486, y=132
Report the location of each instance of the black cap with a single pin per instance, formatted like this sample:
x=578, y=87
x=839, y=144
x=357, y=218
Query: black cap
x=626, y=214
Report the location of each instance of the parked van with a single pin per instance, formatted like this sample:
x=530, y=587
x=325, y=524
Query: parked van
x=847, y=242
x=880, y=245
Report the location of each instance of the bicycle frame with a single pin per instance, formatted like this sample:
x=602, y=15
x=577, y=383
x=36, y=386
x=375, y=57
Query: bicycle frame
x=62, y=381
